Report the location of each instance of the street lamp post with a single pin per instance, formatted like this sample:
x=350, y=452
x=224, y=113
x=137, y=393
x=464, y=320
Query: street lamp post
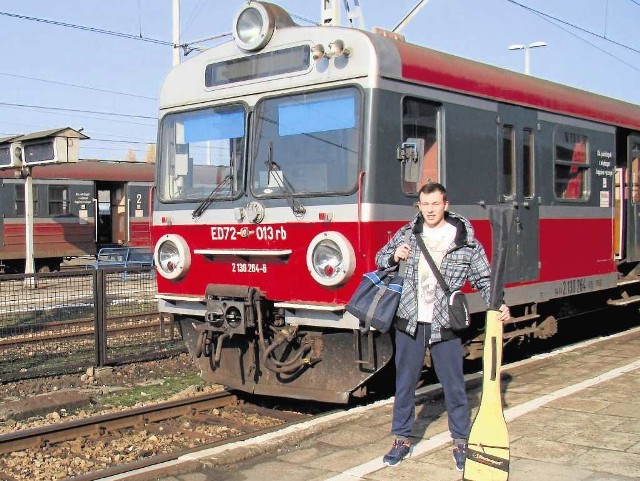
x=526, y=48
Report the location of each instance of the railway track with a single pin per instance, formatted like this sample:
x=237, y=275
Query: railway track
x=175, y=427
x=66, y=330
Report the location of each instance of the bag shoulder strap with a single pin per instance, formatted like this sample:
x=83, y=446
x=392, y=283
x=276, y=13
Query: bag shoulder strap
x=432, y=264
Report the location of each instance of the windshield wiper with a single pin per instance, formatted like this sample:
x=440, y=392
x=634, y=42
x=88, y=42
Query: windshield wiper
x=275, y=172
x=198, y=211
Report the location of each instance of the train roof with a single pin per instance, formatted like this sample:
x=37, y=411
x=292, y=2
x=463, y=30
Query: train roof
x=442, y=70
x=387, y=55
x=100, y=170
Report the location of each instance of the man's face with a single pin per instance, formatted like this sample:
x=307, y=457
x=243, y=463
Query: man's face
x=433, y=207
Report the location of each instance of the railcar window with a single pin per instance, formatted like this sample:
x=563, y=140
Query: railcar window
x=635, y=173
x=19, y=204
x=202, y=154
x=421, y=121
x=58, y=200
x=307, y=144
x=508, y=162
x=571, y=165
x=528, y=163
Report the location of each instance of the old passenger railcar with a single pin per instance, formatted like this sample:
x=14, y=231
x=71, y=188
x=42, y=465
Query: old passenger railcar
x=78, y=208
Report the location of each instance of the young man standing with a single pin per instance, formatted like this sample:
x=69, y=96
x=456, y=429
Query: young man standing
x=423, y=317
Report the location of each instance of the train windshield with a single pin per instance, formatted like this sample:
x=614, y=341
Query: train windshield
x=307, y=144
x=201, y=154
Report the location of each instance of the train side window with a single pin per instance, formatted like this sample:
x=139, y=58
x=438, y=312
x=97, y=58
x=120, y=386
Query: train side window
x=528, y=163
x=635, y=173
x=58, y=200
x=421, y=122
x=19, y=204
x=508, y=162
x=571, y=166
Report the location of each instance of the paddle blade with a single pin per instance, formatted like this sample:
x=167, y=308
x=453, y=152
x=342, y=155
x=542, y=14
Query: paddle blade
x=488, y=444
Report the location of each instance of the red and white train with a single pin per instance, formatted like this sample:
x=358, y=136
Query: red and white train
x=288, y=156
x=78, y=208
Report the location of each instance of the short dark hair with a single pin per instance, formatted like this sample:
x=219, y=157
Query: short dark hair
x=431, y=187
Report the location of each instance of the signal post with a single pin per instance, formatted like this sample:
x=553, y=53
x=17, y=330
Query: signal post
x=23, y=152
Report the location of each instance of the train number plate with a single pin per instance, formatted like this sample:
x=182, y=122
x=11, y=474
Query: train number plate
x=574, y=286
x=248, y=268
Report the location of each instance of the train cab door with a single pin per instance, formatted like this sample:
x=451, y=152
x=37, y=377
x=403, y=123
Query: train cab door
x=120, y=223
x=629, y=245
x=517, y=130
x=103, y=215
x=111, y=215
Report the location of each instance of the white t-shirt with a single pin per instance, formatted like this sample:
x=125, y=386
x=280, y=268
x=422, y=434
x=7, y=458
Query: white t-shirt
x=437, y=240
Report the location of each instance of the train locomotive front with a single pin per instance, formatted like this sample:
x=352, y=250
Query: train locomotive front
x=258, y=234
x=289, y=156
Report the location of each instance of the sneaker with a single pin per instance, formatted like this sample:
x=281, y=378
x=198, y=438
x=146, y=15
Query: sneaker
x=460, y=455
x=400, y=450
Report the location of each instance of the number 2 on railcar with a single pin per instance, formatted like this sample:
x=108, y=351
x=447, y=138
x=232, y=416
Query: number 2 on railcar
x=288, y=156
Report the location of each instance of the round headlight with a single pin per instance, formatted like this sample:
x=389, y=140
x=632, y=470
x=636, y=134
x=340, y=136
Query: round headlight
x=172, y=256
x=253, y=27
x=330, y=259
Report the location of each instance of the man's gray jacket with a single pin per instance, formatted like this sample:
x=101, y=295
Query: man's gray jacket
x=465, y=259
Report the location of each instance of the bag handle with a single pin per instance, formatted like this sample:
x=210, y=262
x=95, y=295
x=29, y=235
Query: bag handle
x=432, y=264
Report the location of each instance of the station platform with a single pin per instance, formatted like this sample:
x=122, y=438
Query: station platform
x=573, y=414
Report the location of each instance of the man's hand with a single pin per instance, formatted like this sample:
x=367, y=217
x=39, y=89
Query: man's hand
x=505, y=314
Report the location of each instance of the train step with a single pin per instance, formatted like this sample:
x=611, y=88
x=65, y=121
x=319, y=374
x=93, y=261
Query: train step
x=624, y=301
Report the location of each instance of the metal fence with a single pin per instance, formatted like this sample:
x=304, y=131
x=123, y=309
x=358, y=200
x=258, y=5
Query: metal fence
x=64, y=322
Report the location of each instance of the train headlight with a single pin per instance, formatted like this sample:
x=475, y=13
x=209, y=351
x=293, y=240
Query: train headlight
x=172, y=256
x=253, y=26
x=331, y=259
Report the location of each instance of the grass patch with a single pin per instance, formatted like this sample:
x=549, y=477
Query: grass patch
x=164, y=389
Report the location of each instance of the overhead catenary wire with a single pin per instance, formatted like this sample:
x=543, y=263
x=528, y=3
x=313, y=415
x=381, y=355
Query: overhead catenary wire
x=556, y=19
x=86, y=87
x=105, y=119
x=87, y=28
x=552, y=20
x=65, y=109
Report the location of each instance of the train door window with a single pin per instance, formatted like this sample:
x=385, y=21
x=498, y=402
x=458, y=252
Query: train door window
x=58, y=200
x=508, y=162
x=571, y=165
x=528, y=164
x=635, y=173
x=420, y=127
x=19, y=204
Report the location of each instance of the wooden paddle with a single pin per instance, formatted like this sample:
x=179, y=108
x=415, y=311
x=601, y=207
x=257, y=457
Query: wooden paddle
x=488, y=445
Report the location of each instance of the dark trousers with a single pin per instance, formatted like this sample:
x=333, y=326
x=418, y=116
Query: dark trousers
x=447, y=358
